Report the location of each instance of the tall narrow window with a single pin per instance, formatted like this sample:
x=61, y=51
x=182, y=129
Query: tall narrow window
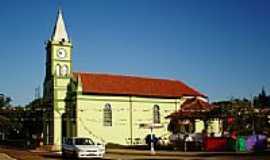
x=58, y=70
x=64, y=70
x=107, y=117
x=156, y=114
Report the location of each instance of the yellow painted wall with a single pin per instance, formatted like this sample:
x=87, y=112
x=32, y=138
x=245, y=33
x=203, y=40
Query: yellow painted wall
x=128, y=113
x=214, y=126
x=142, y=113
x=90, y=119
x=199, y=126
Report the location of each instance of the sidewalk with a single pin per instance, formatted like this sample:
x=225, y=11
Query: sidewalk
x=19, y=154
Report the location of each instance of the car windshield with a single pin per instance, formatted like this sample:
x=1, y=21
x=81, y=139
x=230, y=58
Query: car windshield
x=83, y=141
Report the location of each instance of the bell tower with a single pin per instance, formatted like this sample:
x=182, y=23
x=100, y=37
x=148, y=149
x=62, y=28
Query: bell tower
x=57, y=78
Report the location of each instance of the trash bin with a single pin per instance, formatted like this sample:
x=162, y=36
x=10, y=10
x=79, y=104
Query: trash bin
x=261, y=143
x=231, y=145
x=250, y=142
x=241, y=144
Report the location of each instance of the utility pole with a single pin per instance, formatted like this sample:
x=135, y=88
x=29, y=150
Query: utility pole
x=37, y=92
x=253, y=113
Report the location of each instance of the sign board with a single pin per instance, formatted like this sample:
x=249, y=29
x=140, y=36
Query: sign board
x=151, y=125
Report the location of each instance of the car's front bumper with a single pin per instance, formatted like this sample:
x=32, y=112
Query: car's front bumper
x=85, y=154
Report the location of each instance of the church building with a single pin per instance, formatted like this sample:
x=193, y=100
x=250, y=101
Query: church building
x=108, y=108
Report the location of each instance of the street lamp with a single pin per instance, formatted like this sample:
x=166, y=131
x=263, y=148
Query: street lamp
x=151, y=126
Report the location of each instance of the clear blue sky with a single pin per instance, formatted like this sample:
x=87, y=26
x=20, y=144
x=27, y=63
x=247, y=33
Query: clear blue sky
x=220, y=47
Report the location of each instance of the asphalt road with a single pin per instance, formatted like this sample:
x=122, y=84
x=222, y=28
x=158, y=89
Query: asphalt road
x=124, y=155
x=4, y=156
x=130, y=157
x=153, y=157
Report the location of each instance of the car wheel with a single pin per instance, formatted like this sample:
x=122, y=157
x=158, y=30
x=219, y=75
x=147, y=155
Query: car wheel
x=64, y=154
x=74, y=155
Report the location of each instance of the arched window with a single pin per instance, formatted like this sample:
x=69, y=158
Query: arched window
x=64, y=70
x=107, y=117
x=156, y=113
x=58, y=70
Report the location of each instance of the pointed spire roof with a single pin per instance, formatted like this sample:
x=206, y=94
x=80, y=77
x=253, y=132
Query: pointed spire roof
x=59, y=32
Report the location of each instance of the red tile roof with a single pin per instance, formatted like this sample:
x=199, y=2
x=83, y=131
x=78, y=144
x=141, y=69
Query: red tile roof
x=196, y=105
x=193, y=108
x=95, y=83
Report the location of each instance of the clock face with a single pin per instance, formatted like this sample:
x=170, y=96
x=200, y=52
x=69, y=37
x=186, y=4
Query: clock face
x=61, y=53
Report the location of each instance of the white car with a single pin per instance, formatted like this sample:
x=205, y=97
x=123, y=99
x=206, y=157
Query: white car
x=82, y=148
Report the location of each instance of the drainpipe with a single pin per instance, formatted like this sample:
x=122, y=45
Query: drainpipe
x=175, y=104
x=130, y=120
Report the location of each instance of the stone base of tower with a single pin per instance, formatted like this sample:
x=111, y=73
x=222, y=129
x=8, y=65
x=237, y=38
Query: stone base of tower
x=52, y=148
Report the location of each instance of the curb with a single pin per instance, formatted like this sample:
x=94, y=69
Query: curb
x=174, y=153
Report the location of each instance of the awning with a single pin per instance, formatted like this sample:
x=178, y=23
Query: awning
x=193, y=108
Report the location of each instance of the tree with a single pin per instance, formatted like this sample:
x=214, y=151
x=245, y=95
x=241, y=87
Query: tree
x=5, y=101
x=33, y=123
x=240, y=112
x=244, y=116
x=262, y=100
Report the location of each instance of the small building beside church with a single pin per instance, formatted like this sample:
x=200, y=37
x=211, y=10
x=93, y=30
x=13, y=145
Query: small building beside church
x=105, y=107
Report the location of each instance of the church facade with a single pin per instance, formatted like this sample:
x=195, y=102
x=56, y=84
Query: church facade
x=105, y=107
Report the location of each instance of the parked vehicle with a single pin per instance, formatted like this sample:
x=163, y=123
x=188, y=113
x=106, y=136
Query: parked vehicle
x=82, y=148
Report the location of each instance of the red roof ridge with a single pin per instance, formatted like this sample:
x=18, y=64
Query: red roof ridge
x=128, y=75
x=108, y=83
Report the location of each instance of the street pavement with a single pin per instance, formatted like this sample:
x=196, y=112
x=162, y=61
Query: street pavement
x=4, y=156
x=129, y=154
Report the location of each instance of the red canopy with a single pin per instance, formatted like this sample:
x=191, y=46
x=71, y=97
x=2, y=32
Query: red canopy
x=193, y=108
x=196, y=105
